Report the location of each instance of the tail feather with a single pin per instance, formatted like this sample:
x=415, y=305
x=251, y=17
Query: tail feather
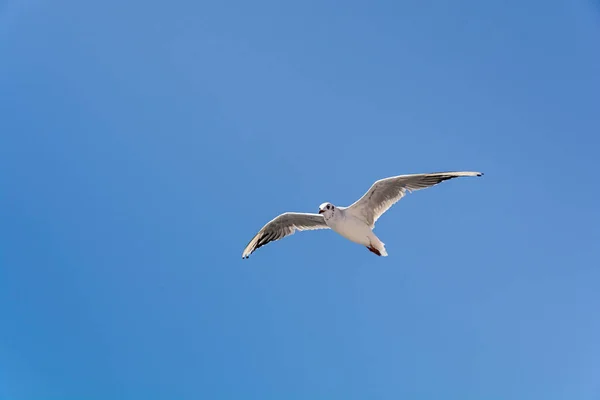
x=379, y=245
x=379, y=249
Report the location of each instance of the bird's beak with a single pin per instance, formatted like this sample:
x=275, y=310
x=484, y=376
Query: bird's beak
x=321, y=211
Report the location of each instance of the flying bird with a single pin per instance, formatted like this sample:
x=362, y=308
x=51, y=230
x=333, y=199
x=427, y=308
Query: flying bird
x=357, y=221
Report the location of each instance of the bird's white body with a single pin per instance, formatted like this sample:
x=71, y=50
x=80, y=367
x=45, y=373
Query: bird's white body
x=353, y=228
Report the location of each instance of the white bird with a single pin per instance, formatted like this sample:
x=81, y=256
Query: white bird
x=357, y=221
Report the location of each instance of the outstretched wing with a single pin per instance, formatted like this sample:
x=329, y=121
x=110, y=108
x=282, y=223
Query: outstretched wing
x=386, y=192
x=284, y=225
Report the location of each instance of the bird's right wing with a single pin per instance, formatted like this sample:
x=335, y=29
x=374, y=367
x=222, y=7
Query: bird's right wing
x=284, y=225
x=386, y=192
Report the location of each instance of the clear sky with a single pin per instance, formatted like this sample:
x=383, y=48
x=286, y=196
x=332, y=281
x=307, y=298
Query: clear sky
x=144, y=143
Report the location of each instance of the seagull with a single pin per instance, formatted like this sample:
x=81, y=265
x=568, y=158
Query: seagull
x=357, y=221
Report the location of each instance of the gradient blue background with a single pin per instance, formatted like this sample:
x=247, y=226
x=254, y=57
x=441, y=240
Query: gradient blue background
x=143, y=144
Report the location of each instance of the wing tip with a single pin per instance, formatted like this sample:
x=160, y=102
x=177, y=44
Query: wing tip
x=247, y=251
x=455, y=174
x=471, y=173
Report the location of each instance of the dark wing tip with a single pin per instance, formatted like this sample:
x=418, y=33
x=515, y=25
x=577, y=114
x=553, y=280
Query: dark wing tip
x=262, y=238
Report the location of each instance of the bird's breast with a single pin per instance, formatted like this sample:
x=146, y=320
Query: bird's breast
x=351, y=228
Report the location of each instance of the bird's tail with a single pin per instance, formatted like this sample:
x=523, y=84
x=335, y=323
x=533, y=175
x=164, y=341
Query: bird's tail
x=379, y=246
x=382, y=250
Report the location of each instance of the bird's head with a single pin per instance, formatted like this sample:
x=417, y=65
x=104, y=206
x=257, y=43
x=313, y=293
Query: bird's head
x=327, y=210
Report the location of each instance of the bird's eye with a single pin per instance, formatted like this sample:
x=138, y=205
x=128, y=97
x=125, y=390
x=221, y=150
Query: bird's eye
x=328, y=206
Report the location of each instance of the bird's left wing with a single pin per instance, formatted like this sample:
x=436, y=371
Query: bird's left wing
x=284, y=225
x=386, y=192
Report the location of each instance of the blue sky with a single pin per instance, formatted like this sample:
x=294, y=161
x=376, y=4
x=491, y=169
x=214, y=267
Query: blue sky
x=143, y=144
